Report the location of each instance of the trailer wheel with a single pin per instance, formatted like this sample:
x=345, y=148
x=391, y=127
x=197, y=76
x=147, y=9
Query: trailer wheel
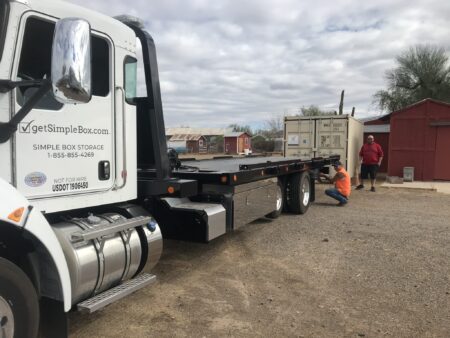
x=299, y=193
x=19, y=307
x=280, y=202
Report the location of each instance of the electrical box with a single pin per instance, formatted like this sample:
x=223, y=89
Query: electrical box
x=408, y=174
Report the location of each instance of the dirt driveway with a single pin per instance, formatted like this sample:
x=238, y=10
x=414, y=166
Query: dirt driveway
x=378, y=267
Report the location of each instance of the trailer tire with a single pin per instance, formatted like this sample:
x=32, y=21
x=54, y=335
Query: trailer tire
x=280, y=201
x=299, y=193
x=19, y=304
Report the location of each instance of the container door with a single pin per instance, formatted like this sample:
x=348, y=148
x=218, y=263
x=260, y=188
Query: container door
x=442, y=154
x=331, y=137
x=300, y=138
x=63, y=149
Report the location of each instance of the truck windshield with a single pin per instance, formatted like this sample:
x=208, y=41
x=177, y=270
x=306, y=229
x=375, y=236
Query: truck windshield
x=4, y=7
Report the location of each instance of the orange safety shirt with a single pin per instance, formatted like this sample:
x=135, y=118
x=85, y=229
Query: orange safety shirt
x=343, y=184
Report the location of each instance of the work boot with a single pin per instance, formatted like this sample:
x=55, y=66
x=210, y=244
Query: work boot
x=359, y=187
x=372, y=189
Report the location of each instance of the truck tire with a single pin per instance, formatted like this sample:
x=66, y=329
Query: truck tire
x=280, y=201
x=299, y=193
x=19, y=306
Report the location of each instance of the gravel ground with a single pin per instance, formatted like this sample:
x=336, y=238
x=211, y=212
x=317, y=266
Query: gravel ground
x=378, y=267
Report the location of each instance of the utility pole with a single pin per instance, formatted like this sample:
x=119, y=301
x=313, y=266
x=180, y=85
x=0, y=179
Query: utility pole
x=341, y=104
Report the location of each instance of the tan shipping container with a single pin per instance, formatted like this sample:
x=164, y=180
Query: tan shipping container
x=321, y=136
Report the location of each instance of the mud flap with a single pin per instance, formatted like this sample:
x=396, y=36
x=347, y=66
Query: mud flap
x=53, y=323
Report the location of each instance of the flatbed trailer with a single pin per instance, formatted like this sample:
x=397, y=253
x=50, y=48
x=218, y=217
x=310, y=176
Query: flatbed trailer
x=248, y=169
x=207, y=198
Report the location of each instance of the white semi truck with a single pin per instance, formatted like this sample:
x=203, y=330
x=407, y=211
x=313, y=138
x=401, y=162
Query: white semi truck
x=86, y=180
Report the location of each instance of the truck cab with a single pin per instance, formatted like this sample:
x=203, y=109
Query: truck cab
x=67, y=156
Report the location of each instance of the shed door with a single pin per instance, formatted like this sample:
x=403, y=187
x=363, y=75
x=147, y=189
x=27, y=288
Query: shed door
x=442, y=154
x=241, y=145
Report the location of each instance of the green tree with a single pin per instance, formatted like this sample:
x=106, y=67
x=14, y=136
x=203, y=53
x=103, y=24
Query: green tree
x=239, y=128
x=314, y=110
x=421, y=72
x=272, y=128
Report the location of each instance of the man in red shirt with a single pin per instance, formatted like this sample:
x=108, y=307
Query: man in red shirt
x=371, y=156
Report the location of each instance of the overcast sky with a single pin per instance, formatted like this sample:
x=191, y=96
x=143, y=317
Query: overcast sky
x=230, y=61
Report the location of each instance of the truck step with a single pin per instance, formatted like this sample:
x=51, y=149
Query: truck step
x=108, y=229
x=105, y=298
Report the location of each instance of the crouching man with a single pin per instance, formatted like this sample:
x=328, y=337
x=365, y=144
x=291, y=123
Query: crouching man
x=342, y=187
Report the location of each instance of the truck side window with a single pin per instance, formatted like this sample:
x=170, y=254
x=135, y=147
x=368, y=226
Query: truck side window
x=4, y=6
x=35, y=62
x=100, y=67
x=130, y=70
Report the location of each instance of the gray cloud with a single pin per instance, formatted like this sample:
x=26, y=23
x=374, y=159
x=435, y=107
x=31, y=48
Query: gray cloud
x=230, y=61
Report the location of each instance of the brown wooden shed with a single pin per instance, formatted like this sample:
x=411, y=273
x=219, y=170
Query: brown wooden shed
x=237, y=142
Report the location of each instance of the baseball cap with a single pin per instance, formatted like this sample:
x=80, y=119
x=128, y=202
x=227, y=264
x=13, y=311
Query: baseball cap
x=337, y=163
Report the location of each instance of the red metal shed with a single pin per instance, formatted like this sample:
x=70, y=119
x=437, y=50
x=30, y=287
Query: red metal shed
x=420, y=138
x=380, y=129
x=237, y=142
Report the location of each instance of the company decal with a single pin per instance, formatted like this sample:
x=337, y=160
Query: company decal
x=51, y=128
x=70, y=184
x=35, y=179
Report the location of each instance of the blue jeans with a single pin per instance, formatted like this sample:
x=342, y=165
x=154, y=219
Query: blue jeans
x=334, y=193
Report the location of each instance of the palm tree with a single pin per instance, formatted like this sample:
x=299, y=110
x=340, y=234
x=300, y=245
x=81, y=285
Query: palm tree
x=422, y=72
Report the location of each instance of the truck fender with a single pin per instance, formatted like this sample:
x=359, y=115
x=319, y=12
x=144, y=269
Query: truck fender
x=10, y=201
x=33, y=225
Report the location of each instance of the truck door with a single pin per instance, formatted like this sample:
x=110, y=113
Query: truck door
x=63, y=149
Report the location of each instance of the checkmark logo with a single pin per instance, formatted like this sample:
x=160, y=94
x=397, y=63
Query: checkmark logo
x=24, y=127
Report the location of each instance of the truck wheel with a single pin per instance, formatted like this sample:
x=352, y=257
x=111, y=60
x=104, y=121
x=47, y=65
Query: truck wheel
x=299, y=193
x=19, y=307
x=280, y=202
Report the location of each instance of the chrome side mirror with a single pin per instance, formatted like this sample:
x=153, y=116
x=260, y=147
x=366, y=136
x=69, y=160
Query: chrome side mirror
x=71, y=61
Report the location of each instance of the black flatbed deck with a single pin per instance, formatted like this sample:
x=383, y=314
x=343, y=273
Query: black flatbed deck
x=188, y=179
x=235, y=164
x=235, y=171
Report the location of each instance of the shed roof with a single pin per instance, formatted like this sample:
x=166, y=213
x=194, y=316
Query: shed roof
x=236, y=134
x=376, y=119
x=419, y=103
x=196, y=131
x=372, y=120
x=185, y=137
